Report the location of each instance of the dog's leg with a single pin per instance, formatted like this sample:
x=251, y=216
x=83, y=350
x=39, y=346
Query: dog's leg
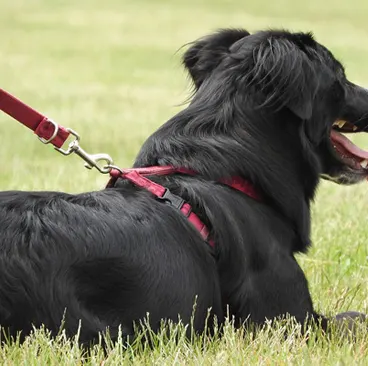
x=279, y=289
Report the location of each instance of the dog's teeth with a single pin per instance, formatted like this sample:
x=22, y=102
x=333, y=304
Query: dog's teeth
x=364, y=163
x=340, y=123
x=355, y=128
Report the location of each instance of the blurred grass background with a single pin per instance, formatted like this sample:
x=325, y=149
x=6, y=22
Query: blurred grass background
x=111, y=70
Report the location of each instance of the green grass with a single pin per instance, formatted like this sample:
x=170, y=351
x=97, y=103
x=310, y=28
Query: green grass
x=110, y=70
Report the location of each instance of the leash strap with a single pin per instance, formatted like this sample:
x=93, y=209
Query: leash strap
x=46, y=129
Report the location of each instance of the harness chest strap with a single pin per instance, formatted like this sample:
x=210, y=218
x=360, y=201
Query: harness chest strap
x=136, y=176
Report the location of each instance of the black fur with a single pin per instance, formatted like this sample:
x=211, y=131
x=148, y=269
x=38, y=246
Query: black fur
x=263, y=109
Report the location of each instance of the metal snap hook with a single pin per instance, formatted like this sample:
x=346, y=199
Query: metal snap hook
x=92, y=160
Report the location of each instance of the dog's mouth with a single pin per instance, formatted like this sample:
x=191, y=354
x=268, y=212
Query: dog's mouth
x=349, y=153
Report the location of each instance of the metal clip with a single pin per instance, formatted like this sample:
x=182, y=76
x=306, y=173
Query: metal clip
x=92, y=160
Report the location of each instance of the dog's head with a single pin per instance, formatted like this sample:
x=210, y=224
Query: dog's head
x=291, y=76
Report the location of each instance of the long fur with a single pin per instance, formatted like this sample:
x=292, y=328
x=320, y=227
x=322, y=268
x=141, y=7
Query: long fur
x=262, y=109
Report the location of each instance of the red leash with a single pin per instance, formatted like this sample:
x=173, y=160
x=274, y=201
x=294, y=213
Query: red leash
x=50, y=132
x=46, y=129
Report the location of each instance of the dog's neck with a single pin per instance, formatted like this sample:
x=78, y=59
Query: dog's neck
x=194, y=141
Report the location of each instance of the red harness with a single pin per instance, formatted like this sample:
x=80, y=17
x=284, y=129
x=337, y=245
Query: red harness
x=137, y=177
x=50, y=132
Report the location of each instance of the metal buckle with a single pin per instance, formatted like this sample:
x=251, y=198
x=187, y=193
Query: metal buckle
x=56, y=130
x=92, y=160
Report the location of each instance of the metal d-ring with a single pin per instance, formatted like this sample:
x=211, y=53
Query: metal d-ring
x=54, y=134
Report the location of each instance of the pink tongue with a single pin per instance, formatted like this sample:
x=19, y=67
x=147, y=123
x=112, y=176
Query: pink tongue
x=348, y=145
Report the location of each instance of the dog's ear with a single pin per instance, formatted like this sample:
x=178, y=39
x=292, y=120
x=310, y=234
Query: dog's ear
x=284, y=73
x=205, y=54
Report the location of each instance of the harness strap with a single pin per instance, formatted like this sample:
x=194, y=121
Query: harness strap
x=46, y=129
x=151, y=170
x=243, y=186
x=137, y=177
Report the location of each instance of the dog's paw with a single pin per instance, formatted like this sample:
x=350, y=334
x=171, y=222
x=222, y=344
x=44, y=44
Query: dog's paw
x=349, y=322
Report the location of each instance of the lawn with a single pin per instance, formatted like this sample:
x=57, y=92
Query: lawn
x=111, y=70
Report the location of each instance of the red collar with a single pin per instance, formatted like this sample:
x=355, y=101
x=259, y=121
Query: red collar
x=138, y=177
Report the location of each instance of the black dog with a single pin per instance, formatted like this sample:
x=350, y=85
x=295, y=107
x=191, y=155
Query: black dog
x=267, y=108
